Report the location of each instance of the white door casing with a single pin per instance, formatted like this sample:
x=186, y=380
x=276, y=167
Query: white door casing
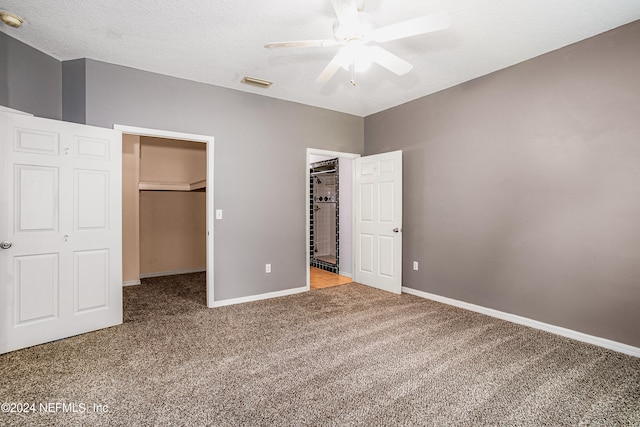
x=60, y=208
x=209, y=141
x=378, y=221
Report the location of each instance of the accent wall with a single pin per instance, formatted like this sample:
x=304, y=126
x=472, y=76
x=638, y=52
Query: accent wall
x=522, y=187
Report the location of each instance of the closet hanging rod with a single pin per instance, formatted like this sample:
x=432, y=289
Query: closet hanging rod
x=321, y=172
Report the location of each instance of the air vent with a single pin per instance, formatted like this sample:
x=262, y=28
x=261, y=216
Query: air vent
x=256, y=82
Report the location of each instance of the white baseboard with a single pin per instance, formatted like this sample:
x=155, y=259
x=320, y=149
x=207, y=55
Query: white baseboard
x=131, y=283
x=172, y=272
x=345, y=274
x=259, y=297
x=558, y=330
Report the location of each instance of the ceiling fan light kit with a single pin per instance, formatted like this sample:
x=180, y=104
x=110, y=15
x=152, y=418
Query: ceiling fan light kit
x=11, y=20
x=256, y=82
x=353, y=34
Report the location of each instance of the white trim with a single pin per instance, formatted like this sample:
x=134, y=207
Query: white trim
x=326, y=153
x=260, y=297
x=345, y=274
x=172, y=272
x=558, y=330
x=131, y=283
x=209, y=140
x=163, y=133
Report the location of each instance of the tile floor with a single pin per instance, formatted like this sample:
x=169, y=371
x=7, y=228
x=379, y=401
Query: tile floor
x=320, y=279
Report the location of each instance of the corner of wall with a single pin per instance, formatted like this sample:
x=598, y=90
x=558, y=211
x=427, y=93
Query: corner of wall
x=4, y=70
x=74, y=90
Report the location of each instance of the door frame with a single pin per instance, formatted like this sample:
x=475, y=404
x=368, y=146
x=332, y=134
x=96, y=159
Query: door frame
x=208, y=140
x=326, y=153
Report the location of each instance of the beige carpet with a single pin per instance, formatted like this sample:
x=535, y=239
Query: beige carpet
x=348, y=355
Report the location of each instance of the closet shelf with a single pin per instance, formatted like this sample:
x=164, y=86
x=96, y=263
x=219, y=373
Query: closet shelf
x=172, y=186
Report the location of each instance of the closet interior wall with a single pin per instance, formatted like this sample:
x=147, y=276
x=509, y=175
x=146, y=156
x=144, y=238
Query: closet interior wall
x=164, y=230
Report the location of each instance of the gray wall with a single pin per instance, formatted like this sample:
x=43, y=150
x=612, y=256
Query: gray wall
x=260, y=164
x=30, y=80
x=74, y=106
x=522, y=188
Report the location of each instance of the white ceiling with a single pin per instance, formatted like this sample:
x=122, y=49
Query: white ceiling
x=220, y=41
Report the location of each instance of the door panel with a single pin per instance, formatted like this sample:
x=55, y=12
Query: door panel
x=378, y=225
x=386, y=209
x=386, y=245
x=90, y=148
x=36, y=275
x=92, y=200
x=60, y=207
x=366, y=203
x=366, y=253
x=91, y=279
x=387, y=167
x=35, y=198
x=39, y=142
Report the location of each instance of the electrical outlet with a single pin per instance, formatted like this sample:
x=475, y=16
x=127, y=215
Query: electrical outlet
x=415, y=265
x=267, y=268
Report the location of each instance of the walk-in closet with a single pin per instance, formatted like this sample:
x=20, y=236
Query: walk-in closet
x=164, y=207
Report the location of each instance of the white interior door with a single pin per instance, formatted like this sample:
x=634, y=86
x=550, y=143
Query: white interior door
x=378, y=221
x=61, y=228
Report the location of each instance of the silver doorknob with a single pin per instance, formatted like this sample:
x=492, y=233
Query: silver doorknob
x=396, y=230
x=5, y=244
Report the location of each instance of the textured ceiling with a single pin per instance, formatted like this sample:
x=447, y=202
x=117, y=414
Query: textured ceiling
x=220, y=41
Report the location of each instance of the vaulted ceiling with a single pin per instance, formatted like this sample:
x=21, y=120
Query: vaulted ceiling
x=221, y=41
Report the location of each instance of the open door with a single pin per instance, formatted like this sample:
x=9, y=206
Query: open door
x=60, y=228
x=378, y=221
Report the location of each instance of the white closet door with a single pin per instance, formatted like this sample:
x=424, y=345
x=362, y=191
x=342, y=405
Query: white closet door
x=61, y=230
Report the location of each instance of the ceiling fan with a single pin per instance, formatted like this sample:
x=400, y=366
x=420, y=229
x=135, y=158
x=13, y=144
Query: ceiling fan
x=353, y=33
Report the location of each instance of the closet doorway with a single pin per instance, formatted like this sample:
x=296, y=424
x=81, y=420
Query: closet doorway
x=167, y=205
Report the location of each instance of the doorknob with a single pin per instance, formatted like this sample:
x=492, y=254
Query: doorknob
x=397, y=230
x=5, y=244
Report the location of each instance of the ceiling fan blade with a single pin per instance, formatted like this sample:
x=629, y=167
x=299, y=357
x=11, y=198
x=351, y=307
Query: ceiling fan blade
x=301, y=43
x=334, y=65
x=346, y=11
x=389, y=61
x=412, y=27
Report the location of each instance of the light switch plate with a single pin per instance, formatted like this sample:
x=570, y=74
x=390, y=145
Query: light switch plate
x=218, y=213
